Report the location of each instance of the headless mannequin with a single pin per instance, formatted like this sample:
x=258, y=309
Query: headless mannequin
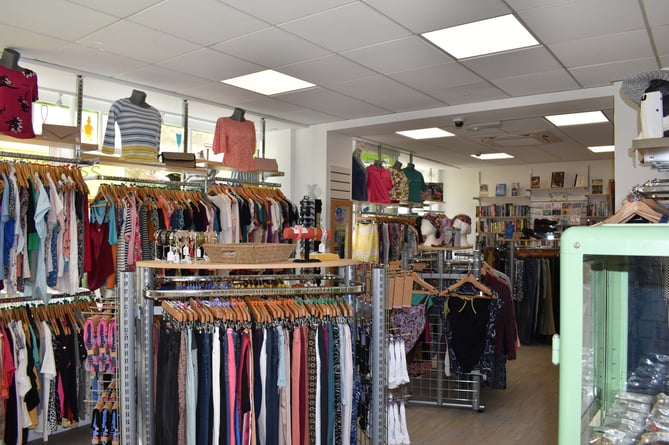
x=139, y=98
x=410, y=165
x=238, y=115
x=10, y=59
x=397, y=165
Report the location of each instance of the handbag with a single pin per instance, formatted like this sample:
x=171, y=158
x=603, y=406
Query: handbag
x=61, y=133
x=178, y=159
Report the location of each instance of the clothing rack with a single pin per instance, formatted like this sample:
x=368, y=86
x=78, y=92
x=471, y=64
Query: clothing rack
x=34, y=157
x=231, y=181
x=653, y=187
x=136, y=426
x=138, y=180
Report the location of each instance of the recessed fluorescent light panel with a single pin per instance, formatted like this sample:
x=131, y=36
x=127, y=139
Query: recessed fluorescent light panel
x=268, y=82
x=488, y=36
x=589, y=117
x=489, y=156
x=426, y=133
x=602, y=148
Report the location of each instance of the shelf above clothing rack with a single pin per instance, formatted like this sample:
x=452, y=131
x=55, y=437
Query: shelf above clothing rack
x=47, y=158
x=245, y=292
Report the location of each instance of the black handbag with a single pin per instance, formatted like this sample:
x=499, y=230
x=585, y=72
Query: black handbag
x=178, y=159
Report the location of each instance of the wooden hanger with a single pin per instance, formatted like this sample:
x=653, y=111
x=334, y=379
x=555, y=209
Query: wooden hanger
x=468, y=279
x=174, y=312
x=631, y=209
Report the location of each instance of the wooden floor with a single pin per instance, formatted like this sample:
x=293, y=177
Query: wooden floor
x=525, y=412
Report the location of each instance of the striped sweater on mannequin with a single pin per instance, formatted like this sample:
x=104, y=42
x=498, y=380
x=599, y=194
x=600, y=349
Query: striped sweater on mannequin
x=140, y=131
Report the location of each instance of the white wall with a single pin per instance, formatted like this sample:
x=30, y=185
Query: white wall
x=462, y=185
x=279, y=146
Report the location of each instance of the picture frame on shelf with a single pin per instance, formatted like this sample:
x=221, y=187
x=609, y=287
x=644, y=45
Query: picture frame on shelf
x=535, y=182
x=557, y=180
x=597, y=186
x=483, y=189
x=579, y=181
x=500, y=190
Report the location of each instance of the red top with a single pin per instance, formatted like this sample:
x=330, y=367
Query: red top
x=18, y=91
x=237, y=141
x=379, y=183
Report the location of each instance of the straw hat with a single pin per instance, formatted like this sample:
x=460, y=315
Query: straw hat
x=636, y=86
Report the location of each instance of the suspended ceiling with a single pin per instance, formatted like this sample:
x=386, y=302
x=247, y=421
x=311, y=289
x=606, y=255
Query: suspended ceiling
x=367, y=58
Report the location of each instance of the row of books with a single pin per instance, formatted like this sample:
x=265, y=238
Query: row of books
x=499, y=226
x=502, y=210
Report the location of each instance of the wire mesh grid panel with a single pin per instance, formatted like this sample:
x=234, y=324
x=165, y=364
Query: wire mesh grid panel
x=430, y=383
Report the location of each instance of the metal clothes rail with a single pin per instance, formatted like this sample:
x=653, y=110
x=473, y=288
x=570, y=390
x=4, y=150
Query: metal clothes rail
x=136, y=346
x=34, y=157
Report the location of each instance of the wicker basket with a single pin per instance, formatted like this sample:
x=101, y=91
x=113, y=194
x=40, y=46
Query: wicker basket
x=248, y=253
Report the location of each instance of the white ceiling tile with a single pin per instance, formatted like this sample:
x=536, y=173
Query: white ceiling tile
x=55, y=17
x=581, y=19
x=308, y=116
x=94, y=61
x=657, y=12
x=462, y=94
x=28, y=43
x=209, y=21
x=269, y=106
x=512, y=63
x=661, y=39
x=117, y=8
x=279, y=12
x=536, y=83
x=271, y=47
x=329, y=102
x=520, y=5
x=327, y=70
x=394, y=56
x=221, y=93
x=437, y=77
x=429, y=15
x=346, y=27
x=163, y=78
x=603, y=49
x=605, y=74
x=122, y=38
x=386, y=93
x=210, y=64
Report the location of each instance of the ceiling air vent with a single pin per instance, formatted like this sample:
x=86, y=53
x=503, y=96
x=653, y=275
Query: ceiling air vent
x=521, y=140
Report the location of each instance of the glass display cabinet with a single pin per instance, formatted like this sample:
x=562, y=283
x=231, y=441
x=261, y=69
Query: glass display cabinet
x=613, y=349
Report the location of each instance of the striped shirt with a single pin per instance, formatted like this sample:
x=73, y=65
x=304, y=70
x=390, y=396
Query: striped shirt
x=140, y=131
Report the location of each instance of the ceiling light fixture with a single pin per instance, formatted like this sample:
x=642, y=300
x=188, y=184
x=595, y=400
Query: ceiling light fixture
x=588, y=117
x=602, y=148
x=488, y=36
x=268, y=82
x=425, y=133
x=490, y=156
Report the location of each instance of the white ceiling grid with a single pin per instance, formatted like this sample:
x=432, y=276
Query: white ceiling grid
x=367, y=58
